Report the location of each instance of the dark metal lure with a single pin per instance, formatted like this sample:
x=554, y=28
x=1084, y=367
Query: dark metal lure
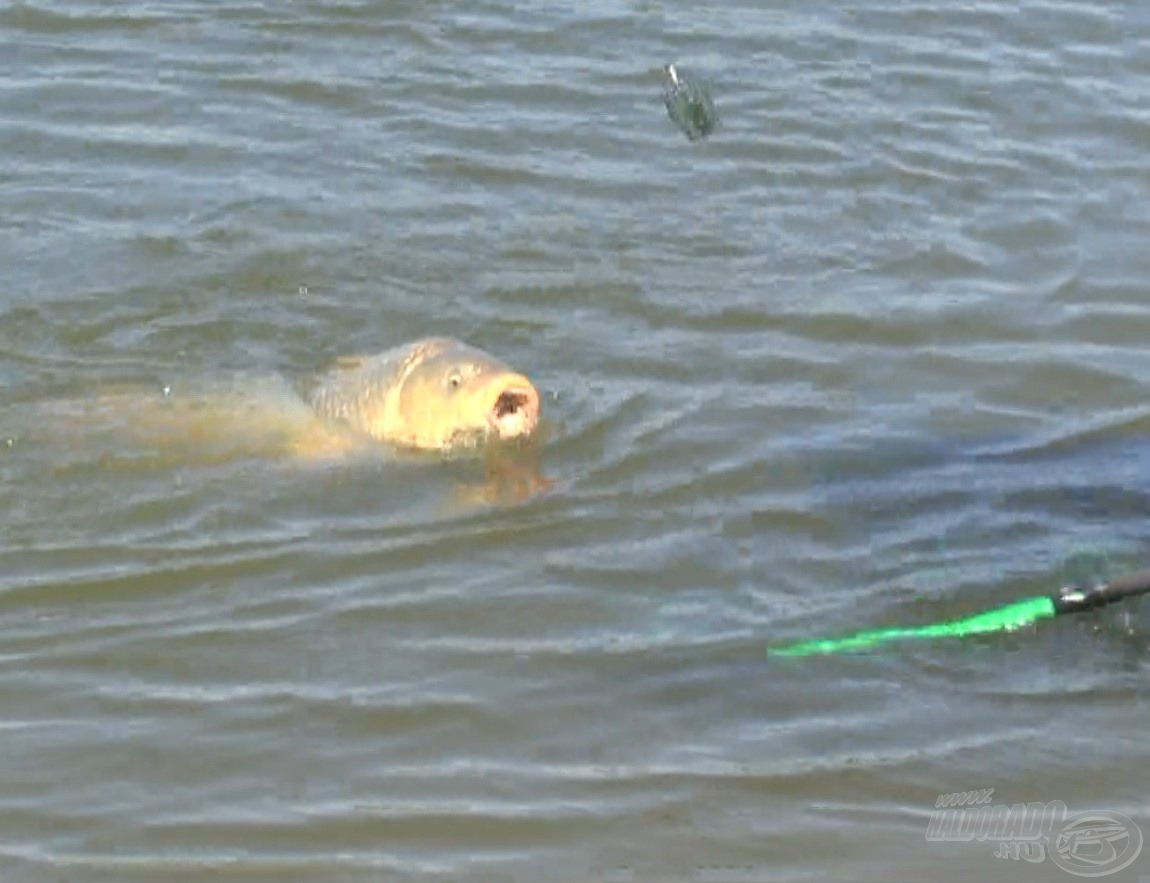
x=689, y=105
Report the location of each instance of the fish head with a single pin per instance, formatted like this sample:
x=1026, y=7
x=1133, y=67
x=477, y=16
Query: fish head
x=455, y=395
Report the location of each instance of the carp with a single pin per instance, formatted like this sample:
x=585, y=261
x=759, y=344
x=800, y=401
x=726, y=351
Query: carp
x=433, y=394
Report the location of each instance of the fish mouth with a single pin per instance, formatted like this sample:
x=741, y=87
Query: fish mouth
x=515, y=411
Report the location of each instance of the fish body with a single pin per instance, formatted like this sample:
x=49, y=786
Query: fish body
x=435, y=394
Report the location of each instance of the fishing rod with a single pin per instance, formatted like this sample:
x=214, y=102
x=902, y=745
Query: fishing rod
x=1019, y=614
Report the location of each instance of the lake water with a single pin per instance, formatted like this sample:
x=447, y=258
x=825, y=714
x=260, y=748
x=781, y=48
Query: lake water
x=874, y=353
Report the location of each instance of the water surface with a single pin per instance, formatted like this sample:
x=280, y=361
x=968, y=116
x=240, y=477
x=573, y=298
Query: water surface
x=874, y=353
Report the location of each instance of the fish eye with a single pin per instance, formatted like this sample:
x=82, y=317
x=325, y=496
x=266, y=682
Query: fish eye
x=454, y=380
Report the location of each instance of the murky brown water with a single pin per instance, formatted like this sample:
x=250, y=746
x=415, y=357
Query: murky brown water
x=874, y=353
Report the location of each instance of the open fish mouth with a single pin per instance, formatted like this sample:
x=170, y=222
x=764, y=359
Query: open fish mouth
x=515, y=412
